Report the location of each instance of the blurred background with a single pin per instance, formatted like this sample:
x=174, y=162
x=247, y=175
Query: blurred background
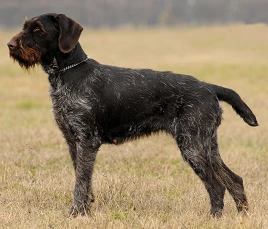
x=113, y=13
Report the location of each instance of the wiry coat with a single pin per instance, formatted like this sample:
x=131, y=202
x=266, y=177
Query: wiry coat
x=94, y=104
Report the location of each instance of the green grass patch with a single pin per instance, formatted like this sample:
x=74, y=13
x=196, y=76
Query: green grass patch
x=28, y=105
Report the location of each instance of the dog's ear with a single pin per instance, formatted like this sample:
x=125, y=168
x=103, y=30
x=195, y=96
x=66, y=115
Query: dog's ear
x=69, y=33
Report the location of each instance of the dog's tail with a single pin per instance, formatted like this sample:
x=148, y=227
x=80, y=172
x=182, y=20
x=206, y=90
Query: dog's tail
x=231, y=97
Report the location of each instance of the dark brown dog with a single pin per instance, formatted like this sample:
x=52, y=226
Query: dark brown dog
x=96, y=104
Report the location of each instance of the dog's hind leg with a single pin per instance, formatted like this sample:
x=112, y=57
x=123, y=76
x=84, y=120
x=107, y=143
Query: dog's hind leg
x=196, y=152
x=232, y=182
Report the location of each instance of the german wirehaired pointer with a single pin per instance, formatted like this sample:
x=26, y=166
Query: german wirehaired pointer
x=94, y=104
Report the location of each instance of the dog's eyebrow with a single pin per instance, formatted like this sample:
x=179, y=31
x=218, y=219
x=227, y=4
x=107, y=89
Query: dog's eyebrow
x=25, y=24
x=38, y=24
x=27, y=21
x=32, y=23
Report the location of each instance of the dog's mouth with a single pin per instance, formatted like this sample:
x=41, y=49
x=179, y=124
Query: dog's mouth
x=26, y=57
x=24, y=63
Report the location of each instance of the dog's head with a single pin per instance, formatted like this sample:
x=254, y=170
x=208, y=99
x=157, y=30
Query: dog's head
x=41, y=35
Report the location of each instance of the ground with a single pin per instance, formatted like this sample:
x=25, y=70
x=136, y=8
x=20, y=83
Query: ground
x=143, y=183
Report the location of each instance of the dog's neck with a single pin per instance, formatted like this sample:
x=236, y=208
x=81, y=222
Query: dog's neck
x=60, y=62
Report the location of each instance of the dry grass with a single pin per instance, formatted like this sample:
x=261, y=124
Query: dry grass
x=145, y=183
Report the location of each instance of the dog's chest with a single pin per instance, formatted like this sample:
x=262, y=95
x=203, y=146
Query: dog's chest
x=71, y=109
x=60, y=107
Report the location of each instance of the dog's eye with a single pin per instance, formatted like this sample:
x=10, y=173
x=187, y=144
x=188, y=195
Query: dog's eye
x=36, y=29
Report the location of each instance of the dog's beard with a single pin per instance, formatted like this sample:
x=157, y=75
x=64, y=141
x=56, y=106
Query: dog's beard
x=26, y=57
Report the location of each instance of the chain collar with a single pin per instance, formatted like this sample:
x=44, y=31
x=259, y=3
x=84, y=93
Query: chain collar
x=73, y=65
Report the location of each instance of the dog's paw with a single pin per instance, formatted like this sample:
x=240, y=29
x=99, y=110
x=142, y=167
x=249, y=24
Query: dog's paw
x=216, y=213
x=78, y=209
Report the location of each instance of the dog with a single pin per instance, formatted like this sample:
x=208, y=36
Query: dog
x=97, y=104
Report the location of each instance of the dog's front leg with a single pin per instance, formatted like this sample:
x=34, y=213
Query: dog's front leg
x=86, y=154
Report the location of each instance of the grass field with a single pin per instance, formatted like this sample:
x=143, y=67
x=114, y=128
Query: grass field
x=144, y=183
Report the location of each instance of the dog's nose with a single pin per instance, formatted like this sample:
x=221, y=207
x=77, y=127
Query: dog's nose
x=11, y=44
